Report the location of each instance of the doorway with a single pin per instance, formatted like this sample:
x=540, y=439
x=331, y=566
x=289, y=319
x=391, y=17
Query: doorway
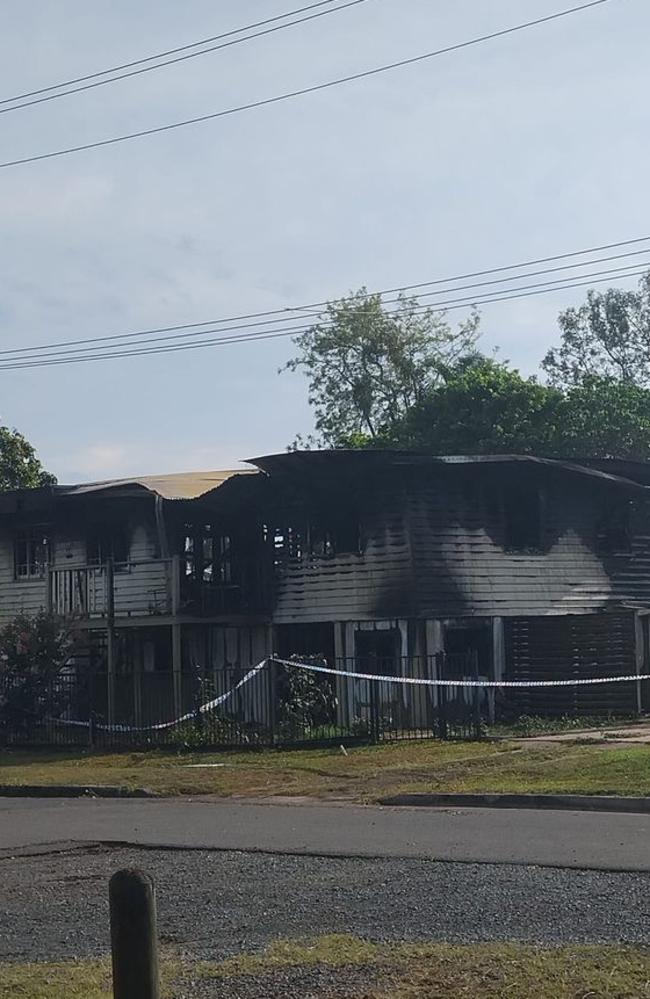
x=378, y=651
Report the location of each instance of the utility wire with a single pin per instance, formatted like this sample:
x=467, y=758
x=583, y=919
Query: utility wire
x=162, y=55
x=182, y=58
x=289, y=95
x=610, y=272
x=490, y=298
x=301, y=311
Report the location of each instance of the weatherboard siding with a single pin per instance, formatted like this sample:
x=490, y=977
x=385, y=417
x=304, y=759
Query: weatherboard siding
x=462, y=567
x=141, y=588
x=374, y=584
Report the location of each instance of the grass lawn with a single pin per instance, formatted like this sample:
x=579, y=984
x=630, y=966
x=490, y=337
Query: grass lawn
x=370, y=971
x=365, y=774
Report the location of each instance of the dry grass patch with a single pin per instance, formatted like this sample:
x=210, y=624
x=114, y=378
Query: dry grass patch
x=376, y=971
x=87, y=979
x=365, y=774
x=423, y=971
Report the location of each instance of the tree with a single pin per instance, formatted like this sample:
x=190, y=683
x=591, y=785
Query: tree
x=484, y=407
x=487, y=407
x=368, y=366
x=33, y=653
x=604, y=418
x=607, y=337
x=20, y=467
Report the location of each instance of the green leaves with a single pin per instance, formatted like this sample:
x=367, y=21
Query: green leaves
x=490, y=408
x=367, y=365
x=607, y=337
x=19, y=464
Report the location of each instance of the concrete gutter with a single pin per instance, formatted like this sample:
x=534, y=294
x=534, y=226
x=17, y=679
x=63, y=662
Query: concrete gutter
x=73, y=791
x=565, y=802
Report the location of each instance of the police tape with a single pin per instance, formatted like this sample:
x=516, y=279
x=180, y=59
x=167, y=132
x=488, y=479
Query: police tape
x=203, y=709
x=419, y=681
x=433, y=682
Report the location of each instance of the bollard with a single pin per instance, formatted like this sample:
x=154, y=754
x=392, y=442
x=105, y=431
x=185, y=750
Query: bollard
x=134, y=942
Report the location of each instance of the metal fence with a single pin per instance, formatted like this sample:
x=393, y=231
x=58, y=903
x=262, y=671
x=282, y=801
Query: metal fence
x=276, y=706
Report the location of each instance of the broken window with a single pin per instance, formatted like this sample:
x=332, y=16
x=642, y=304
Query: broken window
x=320, y=537
x=614, y=531
x=108, y=541
x=207, y=555
x=522, y=510
x=31, y=552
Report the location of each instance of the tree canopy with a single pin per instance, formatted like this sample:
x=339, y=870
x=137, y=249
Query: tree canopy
x=607, y=337
x=405, y=378
x=368, y=366
x=20, y=467
x=487, y=407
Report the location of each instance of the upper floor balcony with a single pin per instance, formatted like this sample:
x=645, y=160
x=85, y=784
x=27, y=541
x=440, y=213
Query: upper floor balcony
x=145, y=588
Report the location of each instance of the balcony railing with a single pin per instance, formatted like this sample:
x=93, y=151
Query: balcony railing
x=145, y=588
x=138, y=589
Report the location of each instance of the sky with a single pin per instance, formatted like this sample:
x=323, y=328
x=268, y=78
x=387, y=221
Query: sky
x=524, y=147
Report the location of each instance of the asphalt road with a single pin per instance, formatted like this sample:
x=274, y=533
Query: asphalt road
x=502, y=836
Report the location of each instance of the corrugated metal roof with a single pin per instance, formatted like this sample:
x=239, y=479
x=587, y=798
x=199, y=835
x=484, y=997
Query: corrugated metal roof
x=290, y=460
x=176, y=486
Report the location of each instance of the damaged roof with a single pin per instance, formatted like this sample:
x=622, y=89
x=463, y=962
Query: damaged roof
x=176, y=486
x=290, y=461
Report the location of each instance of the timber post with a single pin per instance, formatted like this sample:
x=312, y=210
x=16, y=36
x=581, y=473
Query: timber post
x=110, y=639
x=134, y=943
x=177, y=666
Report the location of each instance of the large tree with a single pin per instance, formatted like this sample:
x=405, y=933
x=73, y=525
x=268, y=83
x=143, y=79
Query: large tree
x=483, y=407
x=368, y=364
x=20, y=467
x=486, y=407
x=607, y=337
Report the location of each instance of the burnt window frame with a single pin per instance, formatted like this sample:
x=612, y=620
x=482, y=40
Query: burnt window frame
x=36, y=538
x=314, y=536
x=108, y=540
x=207, y=554
x=530, y=540
x=614, y=538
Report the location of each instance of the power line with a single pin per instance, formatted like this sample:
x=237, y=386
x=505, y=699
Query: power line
x=182, y=58
x=284, y=314
x=468, y=300
x=278, y=98
x=491, y=298
x=162, y=55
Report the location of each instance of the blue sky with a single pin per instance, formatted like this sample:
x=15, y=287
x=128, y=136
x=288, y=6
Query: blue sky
x=526, y=146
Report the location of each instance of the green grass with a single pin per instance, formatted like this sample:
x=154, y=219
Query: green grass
x=531, y=725
x=443, y=971
x=397, y=970
x=89, y=979
x=365, y=774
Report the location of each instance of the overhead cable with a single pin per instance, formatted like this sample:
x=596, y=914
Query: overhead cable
x=453, y=304
x=302, y=92
x=177, y=59
x=299, y=311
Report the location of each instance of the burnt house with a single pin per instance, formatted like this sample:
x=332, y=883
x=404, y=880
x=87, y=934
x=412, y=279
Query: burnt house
x=410, y=564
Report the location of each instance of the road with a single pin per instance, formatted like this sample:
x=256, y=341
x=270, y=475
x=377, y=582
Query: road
x=579, y=840
x=381, y=873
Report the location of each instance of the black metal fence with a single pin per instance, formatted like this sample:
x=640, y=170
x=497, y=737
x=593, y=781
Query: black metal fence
x=277, y=705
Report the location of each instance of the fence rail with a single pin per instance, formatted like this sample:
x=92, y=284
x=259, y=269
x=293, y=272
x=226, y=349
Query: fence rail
x=277, y=706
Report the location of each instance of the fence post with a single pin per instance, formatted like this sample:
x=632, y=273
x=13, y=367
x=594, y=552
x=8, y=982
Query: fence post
x=375, y=726
x=134, y=943
x=273, y=691
x=477, y=697
x=442, y=696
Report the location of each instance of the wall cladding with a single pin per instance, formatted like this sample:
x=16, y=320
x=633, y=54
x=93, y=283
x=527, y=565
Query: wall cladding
x=571, y=647
x=463, y=567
